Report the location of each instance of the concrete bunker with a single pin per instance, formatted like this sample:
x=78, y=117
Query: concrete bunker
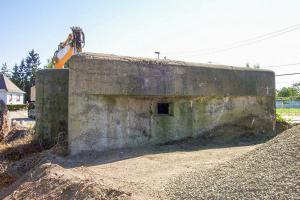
x=108, y=102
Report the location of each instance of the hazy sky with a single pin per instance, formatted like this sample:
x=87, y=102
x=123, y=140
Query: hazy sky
x=180, y=29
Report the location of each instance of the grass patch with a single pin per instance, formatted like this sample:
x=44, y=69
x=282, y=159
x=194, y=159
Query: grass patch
x=288, y=111
x=16, y=107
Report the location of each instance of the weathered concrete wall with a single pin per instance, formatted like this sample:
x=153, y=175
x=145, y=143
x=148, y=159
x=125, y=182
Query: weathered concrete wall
x=51, y=104
x=112, y=75
x=113, y=101
x=111, y=122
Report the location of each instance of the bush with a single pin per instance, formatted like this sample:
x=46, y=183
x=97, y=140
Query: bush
x=286, y=99
x=16, y=107
x=280, y=119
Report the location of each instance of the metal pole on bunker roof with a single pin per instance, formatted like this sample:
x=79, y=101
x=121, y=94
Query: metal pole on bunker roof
x=158, y=53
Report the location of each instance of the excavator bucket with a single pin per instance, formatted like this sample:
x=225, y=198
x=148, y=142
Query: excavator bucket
x=78, y=39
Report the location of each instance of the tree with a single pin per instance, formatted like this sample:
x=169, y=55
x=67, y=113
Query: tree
x=247, y=65
x=49, y=64
x=15, y=74
x=297, y=86
x=32, y=63
x=18, y=75
x=288, y=92
x=4, y=70
x=24, y=75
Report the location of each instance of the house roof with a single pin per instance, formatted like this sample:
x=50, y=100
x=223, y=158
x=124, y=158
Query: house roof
x=8, y=85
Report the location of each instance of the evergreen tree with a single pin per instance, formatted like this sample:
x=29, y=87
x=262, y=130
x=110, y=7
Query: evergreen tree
x=16, y=76
x=32, y=63
x=24, y=75
x=4, y=70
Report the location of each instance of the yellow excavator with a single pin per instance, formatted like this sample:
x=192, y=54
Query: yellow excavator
x=71, y=46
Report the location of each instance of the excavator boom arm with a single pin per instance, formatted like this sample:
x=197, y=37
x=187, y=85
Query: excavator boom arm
x=71, y=46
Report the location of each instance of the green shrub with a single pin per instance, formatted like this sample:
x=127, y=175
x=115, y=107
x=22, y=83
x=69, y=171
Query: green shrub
x=16, y=107
x=285, y=99
x=280, y=119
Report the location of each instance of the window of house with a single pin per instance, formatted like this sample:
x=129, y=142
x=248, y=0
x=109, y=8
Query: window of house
x=18, y=98
x=164, y=108
x=10, y=97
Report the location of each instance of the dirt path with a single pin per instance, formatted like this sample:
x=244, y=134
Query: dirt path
x=140, y=173
x=148, y=171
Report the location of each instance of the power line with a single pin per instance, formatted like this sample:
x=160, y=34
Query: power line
x=287, y=81
x=246, y=42
x=255, y=39
x=242, y=45
x=287, y=74
x=284, y=65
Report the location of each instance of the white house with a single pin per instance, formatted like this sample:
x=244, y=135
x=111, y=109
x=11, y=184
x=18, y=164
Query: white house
x=9, y=92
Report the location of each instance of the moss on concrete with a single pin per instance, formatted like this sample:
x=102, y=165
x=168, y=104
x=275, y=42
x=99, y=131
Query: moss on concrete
x=112, y=101
x=51, y=105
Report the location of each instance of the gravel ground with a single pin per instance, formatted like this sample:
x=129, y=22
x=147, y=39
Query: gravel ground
x=271, y=171
x=140, y=173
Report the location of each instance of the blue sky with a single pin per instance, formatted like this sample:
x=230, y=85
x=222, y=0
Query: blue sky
x=177, y=28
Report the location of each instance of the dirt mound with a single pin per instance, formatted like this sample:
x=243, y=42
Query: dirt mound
x=26, y=172
x=16, y=158
x=271, y=171
x=14, y=134
x=19, y=149
x=51, y=181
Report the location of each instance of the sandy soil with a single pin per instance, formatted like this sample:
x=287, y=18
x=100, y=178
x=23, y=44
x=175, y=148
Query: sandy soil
x=146, y=176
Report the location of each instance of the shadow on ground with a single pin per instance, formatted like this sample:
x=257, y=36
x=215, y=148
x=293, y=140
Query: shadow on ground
x=191, y=144
x=225, y=136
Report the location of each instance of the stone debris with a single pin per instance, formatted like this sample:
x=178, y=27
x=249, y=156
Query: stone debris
x=271, y=171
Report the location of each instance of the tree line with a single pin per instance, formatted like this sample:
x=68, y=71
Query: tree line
x=23, y=74
x=293, y=91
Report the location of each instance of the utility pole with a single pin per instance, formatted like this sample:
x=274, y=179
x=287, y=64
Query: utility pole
x=158, y=53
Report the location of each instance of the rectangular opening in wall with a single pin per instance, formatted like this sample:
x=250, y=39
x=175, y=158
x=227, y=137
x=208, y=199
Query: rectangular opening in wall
x=164, y=108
